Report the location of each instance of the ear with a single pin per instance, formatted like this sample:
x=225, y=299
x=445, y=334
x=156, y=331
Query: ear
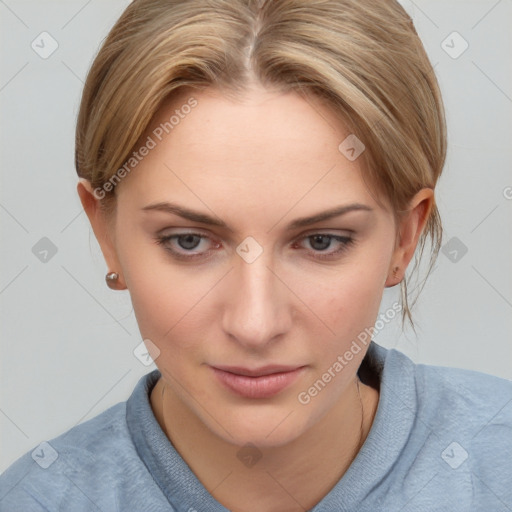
x=103, y=228
x=410, y=227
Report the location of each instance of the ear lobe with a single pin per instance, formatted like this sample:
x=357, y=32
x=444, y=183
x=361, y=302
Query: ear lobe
x=409, y=230
x=101, y=227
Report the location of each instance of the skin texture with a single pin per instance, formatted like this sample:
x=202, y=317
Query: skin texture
x=256, y=164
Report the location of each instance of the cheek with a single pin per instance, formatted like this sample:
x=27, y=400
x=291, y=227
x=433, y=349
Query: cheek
x=347, y=300
x=174, y=305
x=173, y=318
x=352, y=292
x=169, y=308
x=161, y=293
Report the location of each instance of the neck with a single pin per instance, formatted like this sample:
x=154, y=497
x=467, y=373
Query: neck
x=293, y=477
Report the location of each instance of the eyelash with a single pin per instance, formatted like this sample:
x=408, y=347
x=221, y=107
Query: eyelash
x=346, y=242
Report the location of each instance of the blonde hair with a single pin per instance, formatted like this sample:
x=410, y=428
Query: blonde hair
x=363, y=57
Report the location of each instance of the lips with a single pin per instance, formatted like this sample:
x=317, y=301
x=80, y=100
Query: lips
x=262, y=382
x=258, y=372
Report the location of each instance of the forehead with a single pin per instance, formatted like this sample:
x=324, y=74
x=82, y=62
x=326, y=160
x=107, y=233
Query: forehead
x=264, y=148
x=273, y=124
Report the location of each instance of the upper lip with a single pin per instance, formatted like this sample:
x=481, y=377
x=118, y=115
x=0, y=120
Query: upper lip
x=257, y=372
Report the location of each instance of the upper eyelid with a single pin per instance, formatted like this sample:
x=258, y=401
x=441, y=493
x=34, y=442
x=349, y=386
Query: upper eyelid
x=311, y=232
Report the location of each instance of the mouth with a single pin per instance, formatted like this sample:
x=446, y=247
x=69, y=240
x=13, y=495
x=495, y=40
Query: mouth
x=261, y=382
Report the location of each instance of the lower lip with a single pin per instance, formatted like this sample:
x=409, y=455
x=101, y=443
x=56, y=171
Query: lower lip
x=257, y=387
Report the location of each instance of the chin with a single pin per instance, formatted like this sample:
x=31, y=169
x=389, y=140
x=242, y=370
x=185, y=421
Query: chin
x=265, y=426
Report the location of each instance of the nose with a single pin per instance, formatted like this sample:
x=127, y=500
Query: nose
x=256, y=312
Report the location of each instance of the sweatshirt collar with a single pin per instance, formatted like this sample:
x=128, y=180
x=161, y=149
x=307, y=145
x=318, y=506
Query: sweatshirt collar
x=390, y=370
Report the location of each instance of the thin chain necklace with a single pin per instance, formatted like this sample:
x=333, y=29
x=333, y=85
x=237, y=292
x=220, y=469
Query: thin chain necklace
x=362, y=417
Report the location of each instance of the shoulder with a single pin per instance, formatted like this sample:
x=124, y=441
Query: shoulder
x=443, y=397
x=84, y=468
x=470, y=399
x=463, y=422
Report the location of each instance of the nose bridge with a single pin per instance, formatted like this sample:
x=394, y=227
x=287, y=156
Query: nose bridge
x=255, y=313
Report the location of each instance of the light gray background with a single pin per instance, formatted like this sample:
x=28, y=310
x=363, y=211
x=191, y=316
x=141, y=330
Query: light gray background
x=67, y=341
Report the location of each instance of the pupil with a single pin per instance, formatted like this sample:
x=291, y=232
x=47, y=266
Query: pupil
x=322, y=240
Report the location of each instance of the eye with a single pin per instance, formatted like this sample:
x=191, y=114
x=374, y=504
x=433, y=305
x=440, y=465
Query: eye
x=182, y=245
x=321, y=242
x=193, y=246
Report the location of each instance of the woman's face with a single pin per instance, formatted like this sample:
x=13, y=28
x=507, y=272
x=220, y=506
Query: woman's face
x=245, y=278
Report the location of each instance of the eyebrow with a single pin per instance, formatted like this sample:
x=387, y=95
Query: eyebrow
x=203, y=218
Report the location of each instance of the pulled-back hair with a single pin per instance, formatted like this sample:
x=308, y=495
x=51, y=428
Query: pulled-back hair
x=363, y=57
